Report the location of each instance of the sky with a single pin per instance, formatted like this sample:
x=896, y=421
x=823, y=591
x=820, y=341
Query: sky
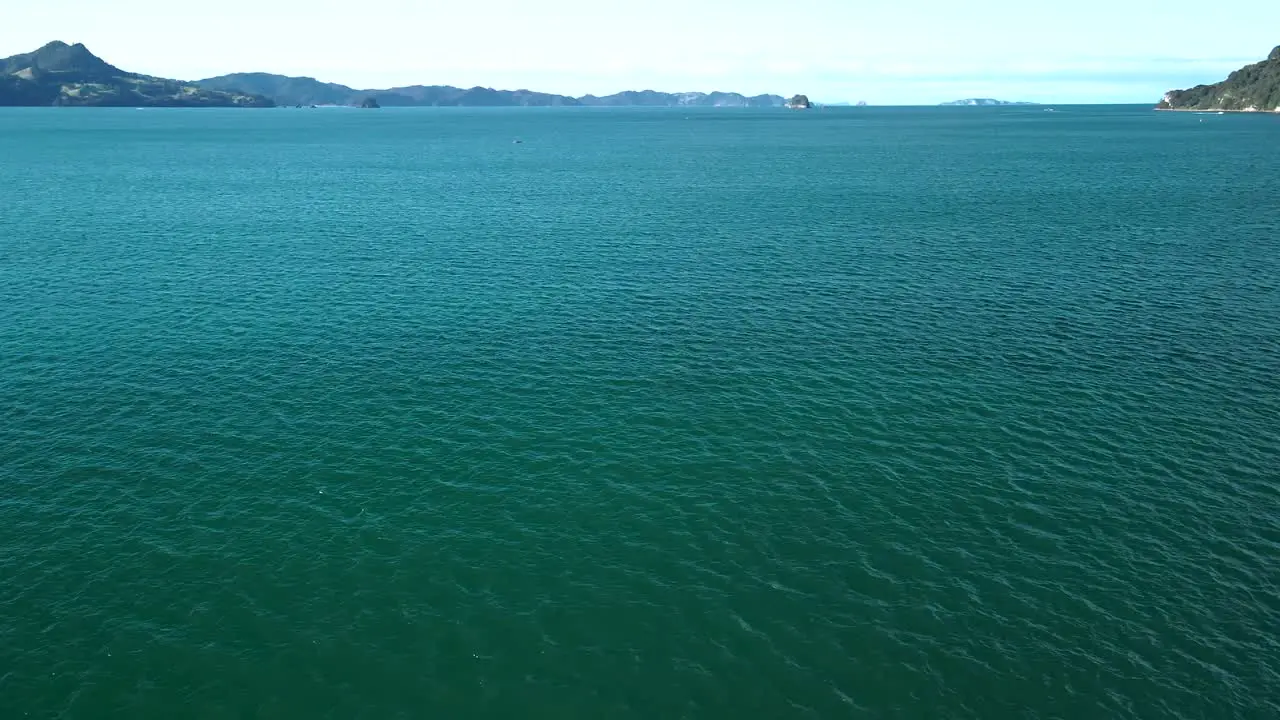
x=898, y=52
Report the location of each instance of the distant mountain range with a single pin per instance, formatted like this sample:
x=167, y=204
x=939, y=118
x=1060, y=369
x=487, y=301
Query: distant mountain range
x=62, y=74
x=309, y=91
x=1253, y=88
x=983, y=102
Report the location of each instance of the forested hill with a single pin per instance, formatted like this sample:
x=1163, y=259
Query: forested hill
x=62, y=74
x=1253, y=88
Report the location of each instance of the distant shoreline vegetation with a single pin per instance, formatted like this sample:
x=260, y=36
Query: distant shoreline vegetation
x=59, y=74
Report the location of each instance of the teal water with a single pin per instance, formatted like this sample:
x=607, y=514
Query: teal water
x=935, y=413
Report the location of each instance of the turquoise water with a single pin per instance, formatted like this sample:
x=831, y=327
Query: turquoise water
x=876, y=413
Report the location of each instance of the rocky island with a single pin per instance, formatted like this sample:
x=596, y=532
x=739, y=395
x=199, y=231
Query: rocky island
x=799, y=102
x=62, y=74
x=1252, y=88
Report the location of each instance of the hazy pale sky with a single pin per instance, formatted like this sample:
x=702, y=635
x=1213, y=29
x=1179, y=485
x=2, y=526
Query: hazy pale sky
x=899, y=52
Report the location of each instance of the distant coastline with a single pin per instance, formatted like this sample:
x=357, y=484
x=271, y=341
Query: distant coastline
x=983, y=102
x=307, y=91
x=59, y=74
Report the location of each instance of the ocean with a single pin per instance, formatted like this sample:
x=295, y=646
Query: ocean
x=675, y=413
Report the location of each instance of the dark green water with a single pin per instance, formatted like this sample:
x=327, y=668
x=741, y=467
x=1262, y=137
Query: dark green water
x=955, y=413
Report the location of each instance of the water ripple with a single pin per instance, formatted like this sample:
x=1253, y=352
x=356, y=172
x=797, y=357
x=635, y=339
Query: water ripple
x=855, y=414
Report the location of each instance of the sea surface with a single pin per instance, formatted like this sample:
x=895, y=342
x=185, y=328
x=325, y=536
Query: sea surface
x=848, y=413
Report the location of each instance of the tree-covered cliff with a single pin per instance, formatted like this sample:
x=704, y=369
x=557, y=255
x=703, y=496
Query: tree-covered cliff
x=1254, y=87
